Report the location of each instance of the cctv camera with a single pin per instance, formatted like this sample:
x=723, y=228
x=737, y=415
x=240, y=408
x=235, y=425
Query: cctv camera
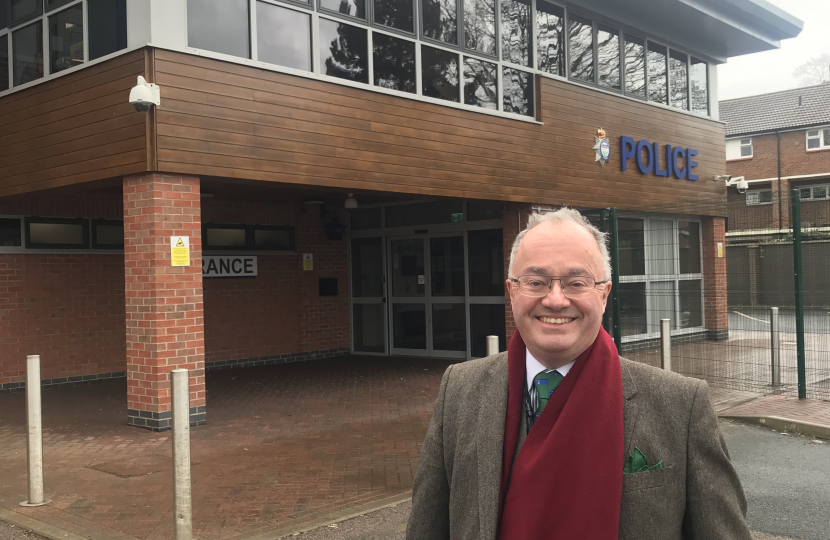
x=742, y=186
x=144, y=95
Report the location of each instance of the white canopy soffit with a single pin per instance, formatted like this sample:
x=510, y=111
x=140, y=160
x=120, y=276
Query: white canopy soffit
x=720, y=29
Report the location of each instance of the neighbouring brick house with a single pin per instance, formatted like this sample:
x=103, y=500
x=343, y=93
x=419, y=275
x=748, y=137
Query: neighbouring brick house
x=431, y=134
x=779, y=142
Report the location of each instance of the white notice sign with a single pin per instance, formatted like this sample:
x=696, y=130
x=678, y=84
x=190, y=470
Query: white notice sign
x=229, y=266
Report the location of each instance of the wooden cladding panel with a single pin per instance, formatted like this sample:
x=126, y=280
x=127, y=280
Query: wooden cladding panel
x=73, y=129
x=224, y=119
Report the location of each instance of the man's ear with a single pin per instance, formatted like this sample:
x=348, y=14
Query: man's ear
x=606, y=291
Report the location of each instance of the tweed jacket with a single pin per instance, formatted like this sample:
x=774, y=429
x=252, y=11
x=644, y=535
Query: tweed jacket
x=696, y=496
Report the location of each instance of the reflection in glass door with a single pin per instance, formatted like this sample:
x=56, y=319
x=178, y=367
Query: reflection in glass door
x=368, y=296
x=448, y=320
x=408, y=296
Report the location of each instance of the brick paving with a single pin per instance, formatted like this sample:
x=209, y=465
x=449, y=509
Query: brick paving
x=282, y=444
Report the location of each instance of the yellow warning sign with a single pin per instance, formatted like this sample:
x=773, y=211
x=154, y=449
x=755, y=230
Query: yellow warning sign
x=720, y=250
x=179, y=251
x=308, y=261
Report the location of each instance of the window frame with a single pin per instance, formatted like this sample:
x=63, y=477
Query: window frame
x=29, y=220
x=648, y=278
x=751, y=193
x=93, y=229
x=22, y=246
x=14, y=23
x=250, y=238
x=820, y=137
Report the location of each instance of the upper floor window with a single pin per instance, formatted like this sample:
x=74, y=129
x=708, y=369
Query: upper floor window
x=814, y=193
x=75, y=31
x=738, y=149
x=818, y=139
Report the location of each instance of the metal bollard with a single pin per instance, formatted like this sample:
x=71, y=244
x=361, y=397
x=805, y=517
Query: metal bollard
x=183, y=518
x=492, y=345
x=34, y=427
x=665, y=344
x=775, y=346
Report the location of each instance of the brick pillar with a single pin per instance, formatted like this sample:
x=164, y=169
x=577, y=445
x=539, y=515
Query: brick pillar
x=514, y=220
x=715, y=306
x=165, y=314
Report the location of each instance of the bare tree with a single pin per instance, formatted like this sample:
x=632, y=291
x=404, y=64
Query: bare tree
x=813, y=71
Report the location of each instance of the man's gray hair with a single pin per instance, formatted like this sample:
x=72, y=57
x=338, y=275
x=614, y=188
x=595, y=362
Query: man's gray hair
x=564, y=215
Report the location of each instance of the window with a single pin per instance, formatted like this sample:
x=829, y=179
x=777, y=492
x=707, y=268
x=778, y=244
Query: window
x=818, y=139
x=4, y=14
x=608, y=57
x=679, y=76
x=398, y=14
x=699, y=79
x=738, y=149
x=219, y=25
x=283, y=36
x=66, y=39
x=440, y=20
x=439, y=74
x=581, y=47
x=480, y=26
x=4, y=62
x=107, y=234
x=353, y=8
x=10, y=232
x=550, y=32
x=22, y=10
x=657, y=74
x=635, y=66
x=518, y=92
x=248, y=237
x=394, y=63
x=515, y=31
x=480, y=83
x=107, y=20
x=27, y=46
x=813, y=193
x=757, y=197
x=344, y=51
x=57, y=233
x=660, y=275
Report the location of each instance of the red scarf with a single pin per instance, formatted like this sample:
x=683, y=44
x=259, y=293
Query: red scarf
x=567, y=481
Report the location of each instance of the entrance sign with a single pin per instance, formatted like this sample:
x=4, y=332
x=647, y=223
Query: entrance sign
x=308, y=261
x=229, y=266
x=679, y=161
x=179, y=251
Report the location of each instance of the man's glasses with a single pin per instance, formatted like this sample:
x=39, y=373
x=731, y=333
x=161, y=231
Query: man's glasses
x=541, y=285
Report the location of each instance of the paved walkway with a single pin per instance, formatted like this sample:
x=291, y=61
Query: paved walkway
x=284, y=446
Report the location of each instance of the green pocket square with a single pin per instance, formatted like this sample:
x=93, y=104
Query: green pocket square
x=637, y=463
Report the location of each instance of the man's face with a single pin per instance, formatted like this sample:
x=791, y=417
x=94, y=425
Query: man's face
x=555, y=328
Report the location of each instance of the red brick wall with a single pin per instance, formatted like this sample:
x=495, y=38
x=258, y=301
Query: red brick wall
x=165, y=318
x=69, y=309
x=279, y=311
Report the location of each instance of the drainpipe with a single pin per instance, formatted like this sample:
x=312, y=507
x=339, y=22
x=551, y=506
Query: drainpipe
x=780, y=196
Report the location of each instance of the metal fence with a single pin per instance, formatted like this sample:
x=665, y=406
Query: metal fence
x=666, y=267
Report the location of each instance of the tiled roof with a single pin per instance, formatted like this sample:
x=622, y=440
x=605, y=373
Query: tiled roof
x=795, y=108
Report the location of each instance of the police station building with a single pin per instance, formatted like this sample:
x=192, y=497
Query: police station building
x=317, y=178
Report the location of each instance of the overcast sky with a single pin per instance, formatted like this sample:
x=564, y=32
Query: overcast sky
x=771, y=71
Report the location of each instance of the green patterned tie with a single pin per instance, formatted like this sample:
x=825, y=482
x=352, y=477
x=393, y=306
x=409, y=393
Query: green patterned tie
x=544, y=383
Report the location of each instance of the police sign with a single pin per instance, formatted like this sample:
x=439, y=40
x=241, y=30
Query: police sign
x=680, y=161
x=228, y=266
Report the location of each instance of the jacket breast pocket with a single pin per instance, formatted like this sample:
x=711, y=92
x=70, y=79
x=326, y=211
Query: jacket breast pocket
x=649, y=479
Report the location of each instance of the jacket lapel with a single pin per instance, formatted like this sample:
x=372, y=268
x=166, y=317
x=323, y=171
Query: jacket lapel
x=631, y=409
x=490, y=445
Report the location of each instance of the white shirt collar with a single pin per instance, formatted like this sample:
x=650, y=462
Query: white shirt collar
x=533, y=367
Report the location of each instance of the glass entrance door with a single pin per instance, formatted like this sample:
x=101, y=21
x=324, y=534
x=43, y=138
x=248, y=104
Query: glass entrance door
x=427, y=301
x=368, y=296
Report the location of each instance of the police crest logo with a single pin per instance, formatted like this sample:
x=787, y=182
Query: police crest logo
x=602, y=148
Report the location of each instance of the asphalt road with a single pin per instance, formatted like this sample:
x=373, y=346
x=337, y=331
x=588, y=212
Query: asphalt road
x=786, y=479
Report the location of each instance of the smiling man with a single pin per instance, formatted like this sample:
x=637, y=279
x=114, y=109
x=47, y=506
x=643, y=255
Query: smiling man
x=561, y=439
